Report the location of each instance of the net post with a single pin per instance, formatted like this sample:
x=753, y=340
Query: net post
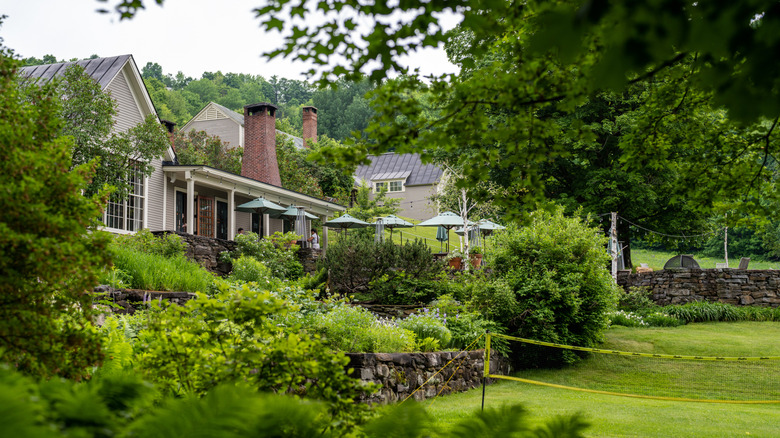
x=486, y=361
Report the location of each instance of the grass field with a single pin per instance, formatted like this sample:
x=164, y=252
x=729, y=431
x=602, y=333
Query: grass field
x=615, y=416
x=427, y=234
x=657, y=259
x=654, y=259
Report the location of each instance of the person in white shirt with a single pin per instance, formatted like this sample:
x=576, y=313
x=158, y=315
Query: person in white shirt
x=314, y=239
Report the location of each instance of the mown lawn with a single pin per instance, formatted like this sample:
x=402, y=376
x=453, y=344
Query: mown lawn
x=657, y=259
x=615, y=416
x=427, y=234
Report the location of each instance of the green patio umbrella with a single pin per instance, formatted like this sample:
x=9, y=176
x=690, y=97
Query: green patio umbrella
x=448, y=220
x=291, y=212
x=345, y=222
x=260, y=206
x=485, y=226
x=392, y=222
x=441, y=236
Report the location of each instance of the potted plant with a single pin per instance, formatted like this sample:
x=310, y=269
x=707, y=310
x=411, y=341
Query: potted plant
x=455, y=259
x=475, y=256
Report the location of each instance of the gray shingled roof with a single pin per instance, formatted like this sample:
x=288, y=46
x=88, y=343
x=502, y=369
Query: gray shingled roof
x=239, y=118
x=392, y=164
x=102, y=70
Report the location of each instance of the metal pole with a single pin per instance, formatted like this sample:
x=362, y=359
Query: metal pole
x=486, y=361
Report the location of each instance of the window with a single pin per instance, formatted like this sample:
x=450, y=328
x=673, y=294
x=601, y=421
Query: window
x=391, y=186
x=128, y=214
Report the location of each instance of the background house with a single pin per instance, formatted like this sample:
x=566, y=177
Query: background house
x=203, y=197
x=405, y=177
x=228, y=125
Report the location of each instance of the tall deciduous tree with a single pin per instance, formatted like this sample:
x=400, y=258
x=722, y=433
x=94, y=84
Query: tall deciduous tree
x=48, y=261
x=551, y=57
x=300, y=173
x=198, y=147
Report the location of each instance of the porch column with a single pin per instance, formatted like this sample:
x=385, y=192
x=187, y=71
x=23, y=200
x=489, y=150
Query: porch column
x=231, y=214
x=190, y=203
x=266, y=225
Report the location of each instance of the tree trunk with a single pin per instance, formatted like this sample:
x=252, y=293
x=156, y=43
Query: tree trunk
x=624, y=237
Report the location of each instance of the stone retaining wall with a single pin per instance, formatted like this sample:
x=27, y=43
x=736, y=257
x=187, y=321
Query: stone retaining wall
x=130, y=300
x=309, y=258
x=205, y=250
x=732, y=286
x=401, y=373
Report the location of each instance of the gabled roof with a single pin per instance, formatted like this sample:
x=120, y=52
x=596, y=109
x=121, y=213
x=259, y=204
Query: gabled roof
x=399, y=166
x=102, y=70
x=239, y=118
x=213, y=111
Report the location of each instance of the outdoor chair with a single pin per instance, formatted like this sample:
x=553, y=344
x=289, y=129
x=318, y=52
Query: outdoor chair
x=743, y=263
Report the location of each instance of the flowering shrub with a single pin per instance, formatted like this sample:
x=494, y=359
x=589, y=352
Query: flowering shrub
x=661, y=319
x=429, y=324
x=354, y=329
x=654, y=319
x=387, y=337
x=466, y=326
x=627, y=319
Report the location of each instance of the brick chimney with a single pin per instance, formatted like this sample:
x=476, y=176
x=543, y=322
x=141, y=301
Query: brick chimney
x=309, y=125
x=259, y=160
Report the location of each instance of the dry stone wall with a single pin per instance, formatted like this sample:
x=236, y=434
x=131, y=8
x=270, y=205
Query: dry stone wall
x=732, y=286
x=400, y=374
x=205, y=250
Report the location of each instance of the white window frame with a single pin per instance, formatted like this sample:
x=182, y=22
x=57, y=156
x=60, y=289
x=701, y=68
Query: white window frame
x=138, y=194
x=389, y=184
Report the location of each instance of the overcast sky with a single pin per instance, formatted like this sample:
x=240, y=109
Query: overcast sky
x=188, y=35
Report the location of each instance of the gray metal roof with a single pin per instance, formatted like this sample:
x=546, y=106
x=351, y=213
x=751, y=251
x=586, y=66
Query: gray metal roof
x=102, y=70
x=398, y=164
x=398, y=174
x=239, y=118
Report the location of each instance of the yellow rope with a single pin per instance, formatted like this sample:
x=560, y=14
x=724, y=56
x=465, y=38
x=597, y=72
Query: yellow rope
x=652, y=397
x=442, y=368
x=446, y=384
x=626, y=353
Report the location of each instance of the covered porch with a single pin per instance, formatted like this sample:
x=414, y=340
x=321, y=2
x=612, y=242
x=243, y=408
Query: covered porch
x=202, y=200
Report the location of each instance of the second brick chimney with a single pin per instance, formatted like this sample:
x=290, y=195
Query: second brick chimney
x=309, y=125
x=259, y=160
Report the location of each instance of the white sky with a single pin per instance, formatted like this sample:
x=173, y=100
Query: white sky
x=188, y=35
